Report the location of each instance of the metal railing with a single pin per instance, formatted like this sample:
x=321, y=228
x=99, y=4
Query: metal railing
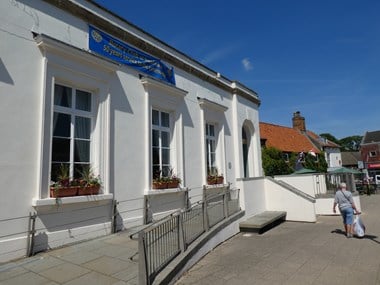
x=164, y=240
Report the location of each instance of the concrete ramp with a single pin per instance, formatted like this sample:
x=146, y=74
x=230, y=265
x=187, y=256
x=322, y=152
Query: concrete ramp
x=262, y=222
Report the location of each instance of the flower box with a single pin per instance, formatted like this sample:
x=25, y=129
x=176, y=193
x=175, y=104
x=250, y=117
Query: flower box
x=172, y=184
x=64, y=191
x=213, y=180
x=159, y=185
x=89, y=190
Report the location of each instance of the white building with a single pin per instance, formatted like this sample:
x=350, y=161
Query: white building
x=73, y=90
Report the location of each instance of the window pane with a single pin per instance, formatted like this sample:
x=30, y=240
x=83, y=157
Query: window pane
x=155, y=118
x=165, y=139
x=165, y=170
x=212, y=145
x=83, y=100
x=212, y=157
x=165, y=119
x=78, y=169
x=56, y=169
x=156, y=155
x=156, y=171
x=212, y=131
x=155, y=138
x=61, y=150
x=82, y=151
x=82, y=127
x=62, y=96
x=61, y=125
x=206, y=129
x=165, y=156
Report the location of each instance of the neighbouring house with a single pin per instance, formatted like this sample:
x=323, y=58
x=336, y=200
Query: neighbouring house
x=298, y=139
x=83, y=89
x=370, y=153
x=288, y=140
x=350, y=159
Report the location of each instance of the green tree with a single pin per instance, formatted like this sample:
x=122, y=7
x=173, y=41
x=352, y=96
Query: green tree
x=350, y=143
x=330, y=137
x=274, y=163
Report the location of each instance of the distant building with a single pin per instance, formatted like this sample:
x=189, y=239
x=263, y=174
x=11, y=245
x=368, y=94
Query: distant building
x=350, y=159
x=298, y=139
x=370, y=152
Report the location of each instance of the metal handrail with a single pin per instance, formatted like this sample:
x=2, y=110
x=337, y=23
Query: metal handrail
x=162, y=241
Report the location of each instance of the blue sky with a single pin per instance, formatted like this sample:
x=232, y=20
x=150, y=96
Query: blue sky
x=319, y=57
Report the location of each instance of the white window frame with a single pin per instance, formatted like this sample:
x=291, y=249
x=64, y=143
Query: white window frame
x=66, y=65
x=73, y=113
x=211, y=156
x=166, y=98
x=162, y=129
x=213, y=113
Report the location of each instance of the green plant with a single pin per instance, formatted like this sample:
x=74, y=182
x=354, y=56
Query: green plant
x=88, y=178
x=213, y=176
x=168, y=181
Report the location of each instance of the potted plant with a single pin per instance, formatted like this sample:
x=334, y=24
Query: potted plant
x=165, y=182
x=214, y=177
x=158, y=181
x=63, y=186
x=89, y=183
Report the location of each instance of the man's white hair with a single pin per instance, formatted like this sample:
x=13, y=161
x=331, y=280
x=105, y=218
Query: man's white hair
x=342, y=185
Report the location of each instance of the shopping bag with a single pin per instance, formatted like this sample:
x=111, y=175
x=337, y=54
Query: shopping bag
x=359, y=227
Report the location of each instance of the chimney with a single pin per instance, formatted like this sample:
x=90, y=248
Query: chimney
x=299, y=122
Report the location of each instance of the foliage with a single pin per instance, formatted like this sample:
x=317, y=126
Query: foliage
x=87, y=178
x=330, y=137
x=171, y=177
x=274, y=163
x=350, y=143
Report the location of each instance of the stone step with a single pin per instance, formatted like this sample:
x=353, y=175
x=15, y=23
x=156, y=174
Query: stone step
x=262, y=222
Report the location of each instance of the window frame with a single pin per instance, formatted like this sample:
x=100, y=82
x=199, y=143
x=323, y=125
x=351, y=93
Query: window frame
x=211, y=156
x=73, y=113
x=161, y=129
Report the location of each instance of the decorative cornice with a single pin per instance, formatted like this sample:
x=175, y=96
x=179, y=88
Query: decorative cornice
x=207, y=75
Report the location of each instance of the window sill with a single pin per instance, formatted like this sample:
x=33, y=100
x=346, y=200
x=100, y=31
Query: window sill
x=71, y=200
x=165, y=191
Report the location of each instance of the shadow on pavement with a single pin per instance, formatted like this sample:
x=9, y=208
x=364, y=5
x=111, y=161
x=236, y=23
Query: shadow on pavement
x=370, y=237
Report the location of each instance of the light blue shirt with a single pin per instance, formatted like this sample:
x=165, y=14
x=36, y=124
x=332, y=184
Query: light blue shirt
x=344, y=199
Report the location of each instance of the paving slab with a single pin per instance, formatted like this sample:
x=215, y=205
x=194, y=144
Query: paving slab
x=297, y=253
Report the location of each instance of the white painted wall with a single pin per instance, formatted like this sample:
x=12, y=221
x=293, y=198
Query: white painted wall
x=335, y=157
x=311, y=184
x=28, y=71
x=324, y=206
x=297, y=207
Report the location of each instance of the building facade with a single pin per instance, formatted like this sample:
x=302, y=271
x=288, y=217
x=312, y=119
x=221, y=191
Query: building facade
x=297, y=139
x=370, y=153
x=84, y=88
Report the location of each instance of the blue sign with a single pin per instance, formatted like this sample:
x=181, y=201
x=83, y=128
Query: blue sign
x=109, y=47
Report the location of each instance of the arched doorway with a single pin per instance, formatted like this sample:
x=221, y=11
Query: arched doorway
x=245, y=141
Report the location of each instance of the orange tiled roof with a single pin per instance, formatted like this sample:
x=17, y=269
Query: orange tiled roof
x=285, y=139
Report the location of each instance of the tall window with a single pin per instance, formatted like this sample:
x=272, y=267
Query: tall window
x=211, y=149
x=72, y=124
x=160, y=143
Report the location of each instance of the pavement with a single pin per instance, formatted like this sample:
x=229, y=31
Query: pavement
x=297, y=253
x=291, y=253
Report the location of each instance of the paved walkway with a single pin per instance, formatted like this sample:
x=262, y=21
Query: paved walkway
x=297, y=253
x=292, y=253
x=100, y=261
